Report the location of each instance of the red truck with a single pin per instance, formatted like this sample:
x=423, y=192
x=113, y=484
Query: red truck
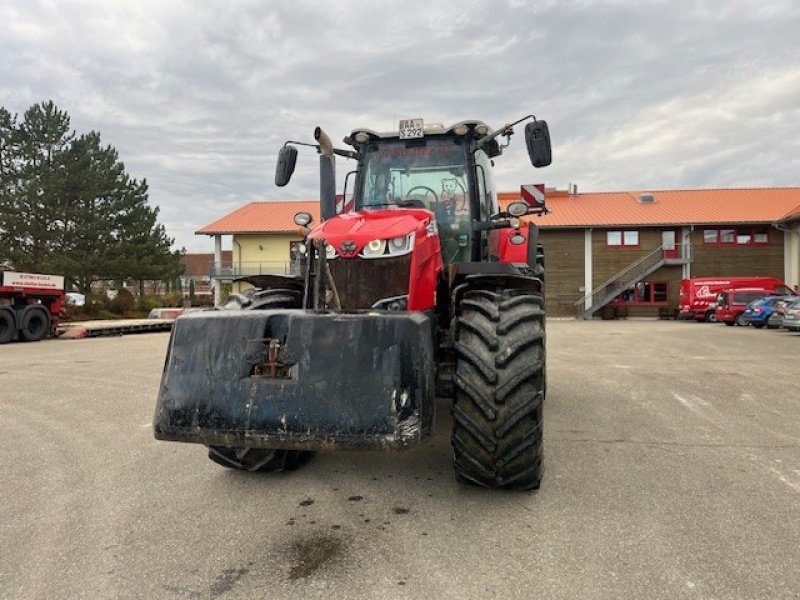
x=30, y=305
x=698, y=295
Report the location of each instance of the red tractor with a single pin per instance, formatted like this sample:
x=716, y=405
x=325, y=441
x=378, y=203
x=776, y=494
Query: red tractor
x=426, y=288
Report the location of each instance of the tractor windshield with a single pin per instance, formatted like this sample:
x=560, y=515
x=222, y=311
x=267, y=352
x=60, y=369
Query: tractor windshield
x=428, y=173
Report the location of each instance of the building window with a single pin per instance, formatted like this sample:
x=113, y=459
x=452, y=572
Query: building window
x=741, y=236
x=645, y=292
x=622, y=238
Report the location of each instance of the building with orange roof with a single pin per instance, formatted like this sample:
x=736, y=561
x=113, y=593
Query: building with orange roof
x=644, y=242
x=264, y=238
x=622, y=250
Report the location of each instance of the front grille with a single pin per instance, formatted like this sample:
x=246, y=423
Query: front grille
x=362, y=282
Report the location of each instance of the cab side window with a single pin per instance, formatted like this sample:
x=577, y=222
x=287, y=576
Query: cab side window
x=486, y=190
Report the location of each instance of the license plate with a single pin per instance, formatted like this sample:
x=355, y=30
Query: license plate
x=411, y=128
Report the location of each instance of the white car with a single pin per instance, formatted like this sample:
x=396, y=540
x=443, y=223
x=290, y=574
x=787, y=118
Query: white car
x=74, y=299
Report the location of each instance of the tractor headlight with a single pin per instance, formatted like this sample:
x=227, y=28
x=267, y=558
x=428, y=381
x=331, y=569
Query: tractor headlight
x=401, y=245
x=394, y=303
x=374, y=249
x=394, y=247
x=330, y=252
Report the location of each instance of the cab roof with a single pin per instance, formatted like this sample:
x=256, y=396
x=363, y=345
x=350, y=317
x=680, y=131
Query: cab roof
x=429, y=129
x=492, y=148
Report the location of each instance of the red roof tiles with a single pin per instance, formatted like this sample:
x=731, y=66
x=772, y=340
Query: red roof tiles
x=670, y=207
x=603, y=209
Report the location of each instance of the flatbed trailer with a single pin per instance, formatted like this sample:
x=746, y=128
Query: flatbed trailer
x=30, y=305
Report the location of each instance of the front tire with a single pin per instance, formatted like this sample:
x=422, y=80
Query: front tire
x=257, y=459
x=500, y=389
x=260, y=459
x=740, y=321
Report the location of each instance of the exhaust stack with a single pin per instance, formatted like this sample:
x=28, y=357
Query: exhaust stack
x=327, y=175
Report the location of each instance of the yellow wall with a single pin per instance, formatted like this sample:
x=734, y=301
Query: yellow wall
x=263, y=249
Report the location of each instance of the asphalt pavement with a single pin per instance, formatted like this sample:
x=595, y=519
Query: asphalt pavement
x=672, y=455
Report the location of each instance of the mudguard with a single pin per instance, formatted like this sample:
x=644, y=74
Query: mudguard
x=297, y=379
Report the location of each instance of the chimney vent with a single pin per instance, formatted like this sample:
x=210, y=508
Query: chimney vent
x=647, y=198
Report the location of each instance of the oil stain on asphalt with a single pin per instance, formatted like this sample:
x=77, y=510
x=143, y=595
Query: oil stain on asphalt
x=310, y=554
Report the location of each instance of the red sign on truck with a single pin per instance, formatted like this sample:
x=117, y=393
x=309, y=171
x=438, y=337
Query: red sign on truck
x=32, y=280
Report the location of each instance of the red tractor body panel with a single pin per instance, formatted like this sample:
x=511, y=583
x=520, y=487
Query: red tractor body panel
x=512, y=253
x=348, y=234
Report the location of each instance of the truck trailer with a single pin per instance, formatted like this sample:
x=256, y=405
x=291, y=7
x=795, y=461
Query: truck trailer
x=30, y=305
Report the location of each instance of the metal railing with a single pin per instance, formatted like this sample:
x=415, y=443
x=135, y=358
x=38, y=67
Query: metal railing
x=232, y=270
x=618, y=283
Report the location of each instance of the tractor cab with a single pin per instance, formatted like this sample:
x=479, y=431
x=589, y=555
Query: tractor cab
x=436, y=173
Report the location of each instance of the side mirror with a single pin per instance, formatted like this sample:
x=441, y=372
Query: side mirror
x=287, y=158
x=537, y=137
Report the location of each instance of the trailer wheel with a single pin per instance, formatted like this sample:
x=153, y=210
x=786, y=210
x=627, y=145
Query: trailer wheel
x=261, y=459
x=710, y=317
x=500, y=389
x=34, y=323
x=8, y=325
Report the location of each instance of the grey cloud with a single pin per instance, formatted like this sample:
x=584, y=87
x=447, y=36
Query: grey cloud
x=198, y=99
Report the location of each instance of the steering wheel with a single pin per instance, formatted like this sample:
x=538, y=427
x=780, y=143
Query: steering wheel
x=426, y=189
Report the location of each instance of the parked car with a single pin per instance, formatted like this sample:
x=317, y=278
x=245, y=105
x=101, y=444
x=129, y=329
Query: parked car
x=74, y=299
x=758, y=312
x=697, y=295
x=791, y=318
x=732, y=303
x=775, y=320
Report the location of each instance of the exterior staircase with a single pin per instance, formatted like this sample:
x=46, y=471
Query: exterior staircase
x=628, y=277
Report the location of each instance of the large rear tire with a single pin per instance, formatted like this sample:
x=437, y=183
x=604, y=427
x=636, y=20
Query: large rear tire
x=500, y=388
x=260, y=459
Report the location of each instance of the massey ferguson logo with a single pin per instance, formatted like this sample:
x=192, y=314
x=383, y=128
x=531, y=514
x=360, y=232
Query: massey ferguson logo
x=347, y=248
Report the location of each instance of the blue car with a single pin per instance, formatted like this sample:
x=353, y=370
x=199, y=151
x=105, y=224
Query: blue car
x=758, y=312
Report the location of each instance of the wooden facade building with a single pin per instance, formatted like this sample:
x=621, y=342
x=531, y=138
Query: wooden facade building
x=629, y=250
x=622, y=250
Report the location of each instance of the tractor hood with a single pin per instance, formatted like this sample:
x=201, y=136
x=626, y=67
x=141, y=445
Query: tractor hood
x=361, y=227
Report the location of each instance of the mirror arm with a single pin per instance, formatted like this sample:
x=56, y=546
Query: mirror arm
x=489, y=225
x=337, y=151
x=504, y=130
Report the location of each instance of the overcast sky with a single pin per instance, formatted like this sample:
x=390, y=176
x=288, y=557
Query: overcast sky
x=198, y=97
